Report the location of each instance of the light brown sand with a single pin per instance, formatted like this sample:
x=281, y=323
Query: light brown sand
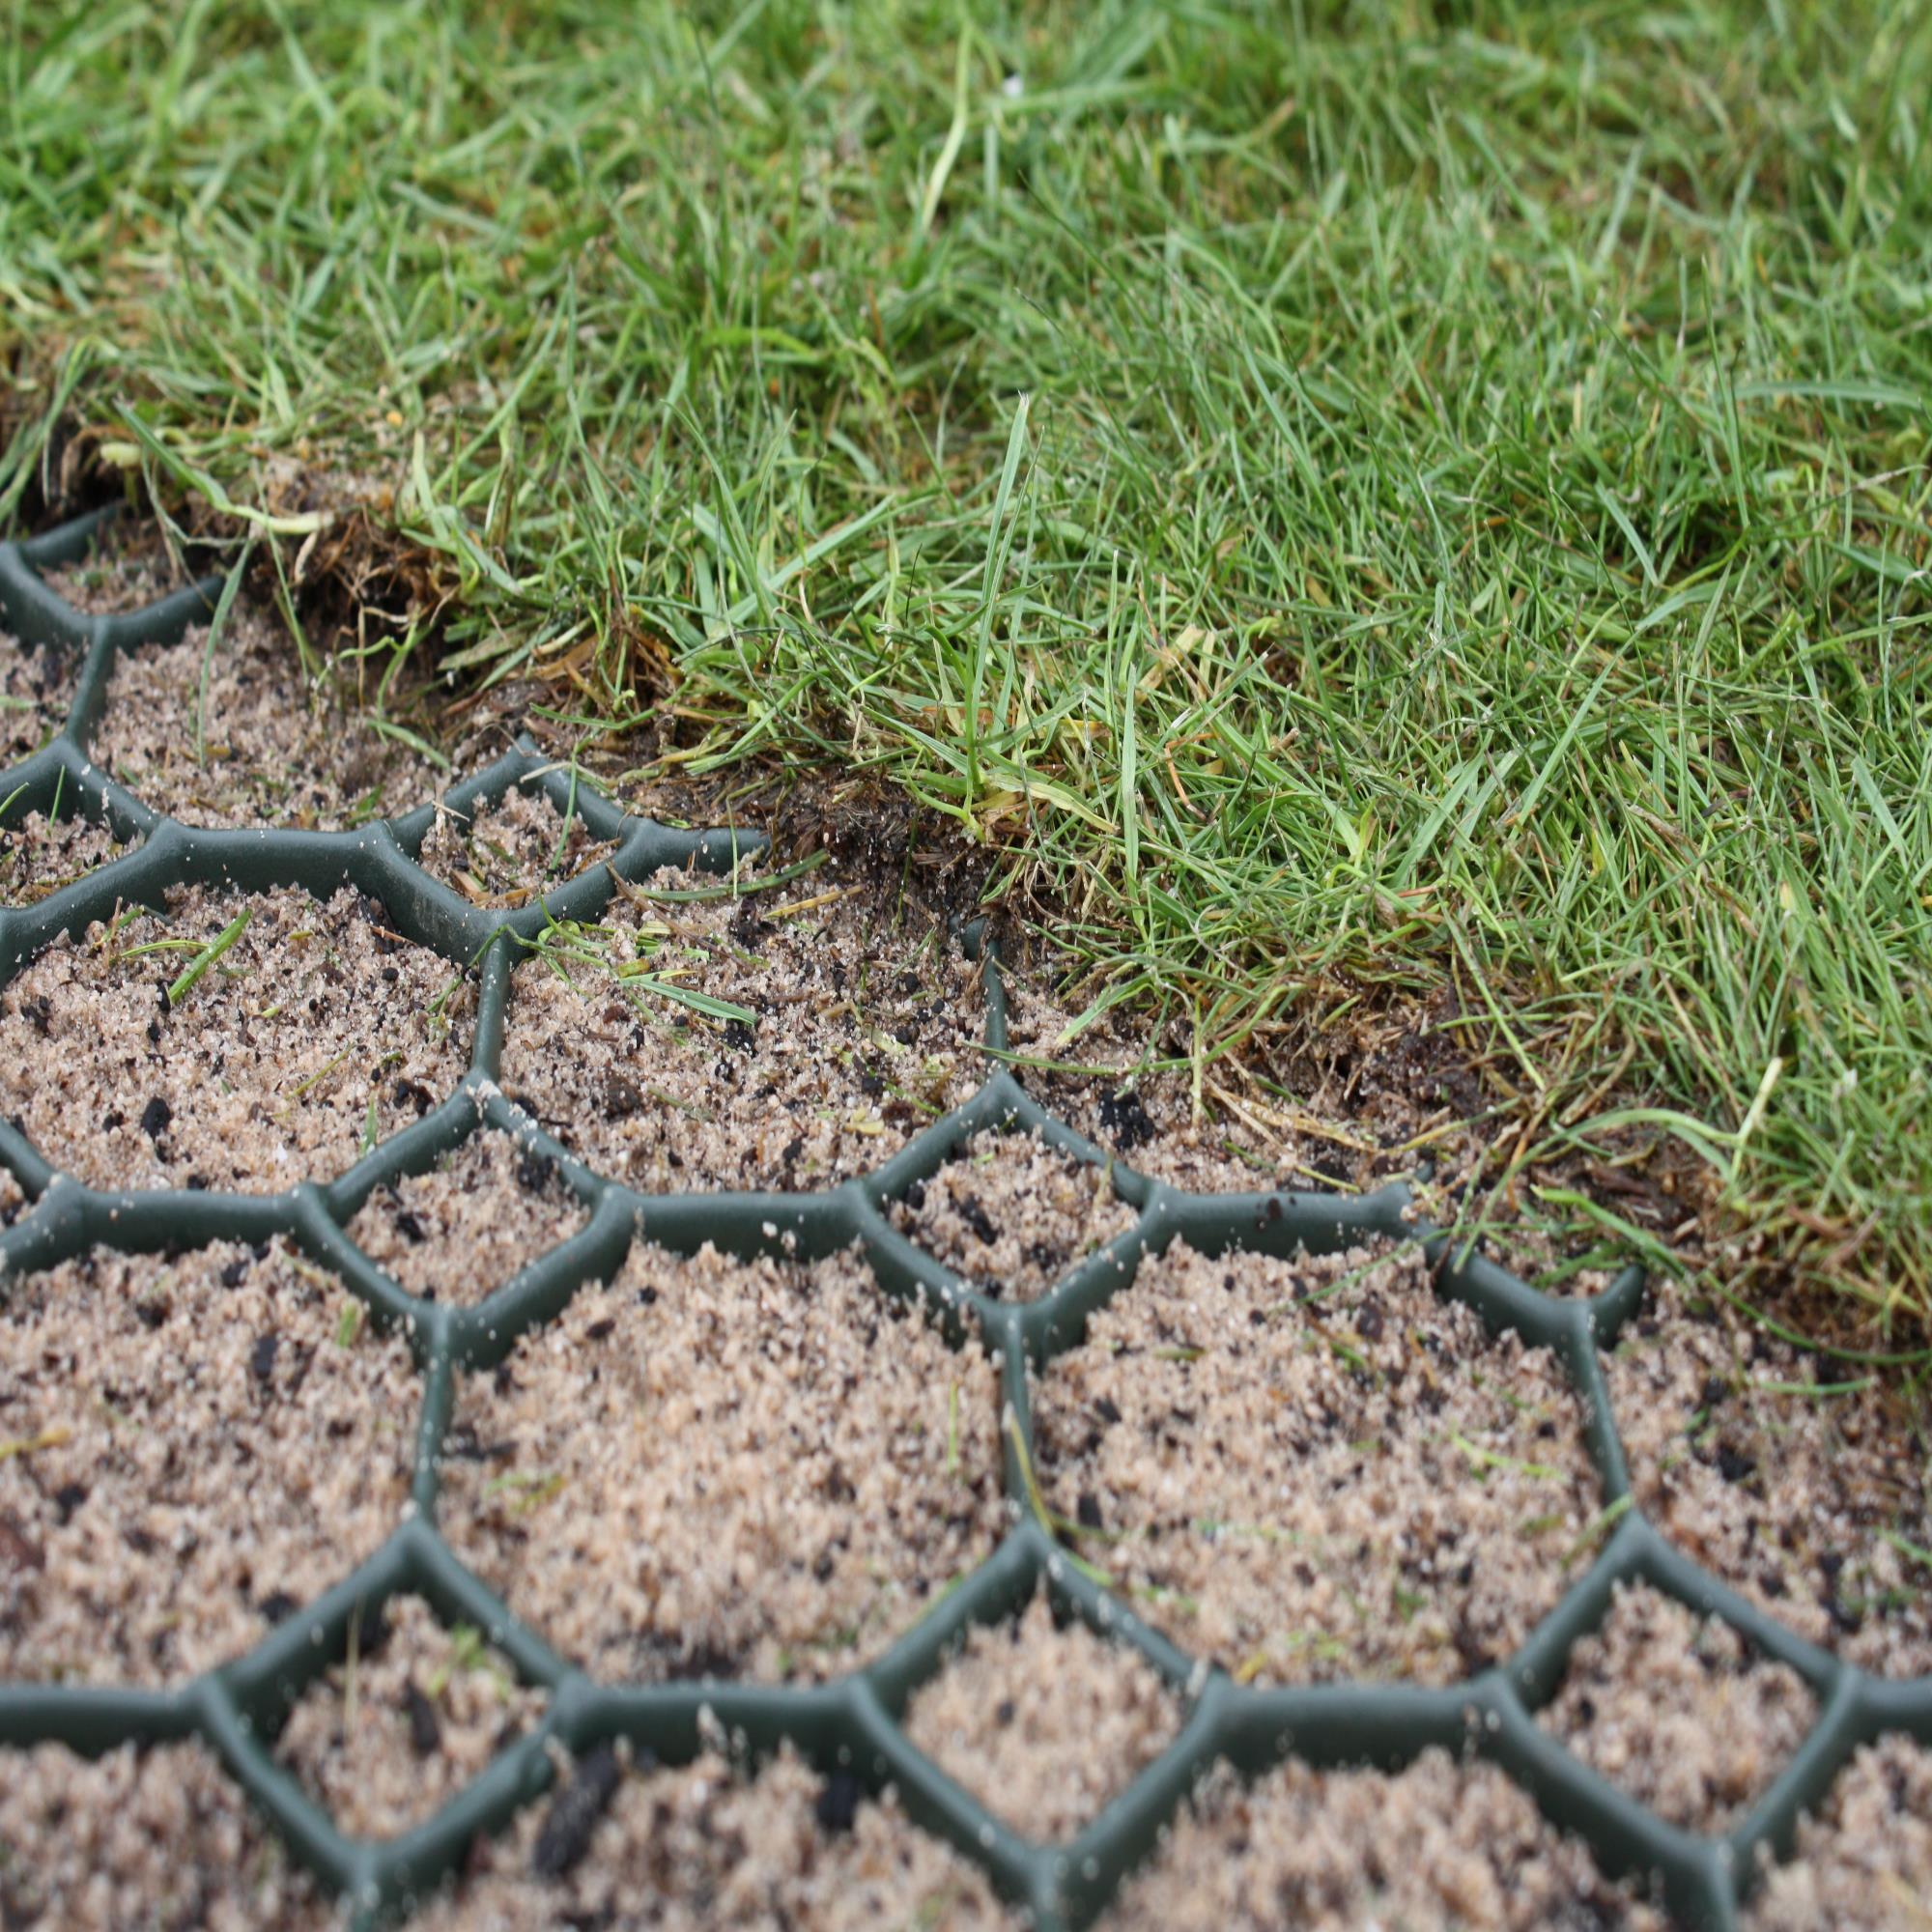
x=36, y=687
x=504, y=853
x=276, y=753
x=1789, y=1496
x=1045, y=1727
x=863, y=1035
x=1679, y=1711
x=464, y=1228
x=127, y=569
x=313, y=1034
x=1440, y=1847
x=154, y=1840
x=12, y=1199
x=40, y=856
x=385, y=1744
x=699, y=1849
x=710, y=1467
x=194, y=1454
x=1864, y=1862
x=1013, y=1214
x=1314, y=1469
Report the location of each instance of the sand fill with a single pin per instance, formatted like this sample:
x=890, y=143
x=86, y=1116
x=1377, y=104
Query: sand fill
x=464, y=1228
x=1013, y=1214
x=1679, y=1711
x=36, y=687
x=142, y=1841
x=41, y=855
x=1793, y=1478
x=1863, y=1862
x=1440, y=1847
x=703, y=1849
x=276, y=752
x=127, y=568
x=196, y=1453
x=717, y=1467
x=1043, y=1726
x=316, y=1033
x=861, y=1033
x=383, y=1743
x=12, y=1199
x=1317, y=1469
x=504, y=853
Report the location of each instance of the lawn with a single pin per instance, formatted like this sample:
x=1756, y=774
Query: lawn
x=1340, y=504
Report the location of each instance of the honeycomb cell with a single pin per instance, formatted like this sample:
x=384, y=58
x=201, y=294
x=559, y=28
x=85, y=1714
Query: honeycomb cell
x=1044, y=1725
x=1863, y=1860
x=142, y=1838
x=1795, y=1478
x=36, y=687
x=1440, y=1847
x=1012, y=1214
x=127, y=567
x=194, y=1448
x=304, y=1036
x=506, y=853
x=713, y=1850
x=711, y=1467
x=822, y=1039
x=242, y=738
x=39, y=855
x=1316, y=1468
x=387, y=1737
x=484, y=1211
x=1679, y=1710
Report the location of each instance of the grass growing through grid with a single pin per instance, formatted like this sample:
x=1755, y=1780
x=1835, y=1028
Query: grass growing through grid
x=1335, y=496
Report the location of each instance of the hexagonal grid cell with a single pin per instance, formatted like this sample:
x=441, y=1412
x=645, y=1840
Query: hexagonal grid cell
x=844, y=1041
x=477, y=1216
x=36, y=686
x=39, y=855
x=696, y=1040
x=194, y=1448
x=127, y=566
x=724, y=1468
x=502, y=852
x=1012, y=1214
x=1316, y=1468
x=230, y=1039
x=1679, y=1710
x=411, y=1714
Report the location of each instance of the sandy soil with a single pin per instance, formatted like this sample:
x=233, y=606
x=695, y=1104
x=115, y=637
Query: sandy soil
x=12, y=1199
x=462, y=1230
x=1440, y=1847
x=699, y=1849
x=40, y=856
x=155, y=1840
x=1043, y=1726
x=1315, y=1469
x=196, y=1454
x=1865, y=1862
x=276, y=753
x=713, y=1467
x=504, y=854
x=314, y=1034
x=1013, y=1214
x=36, y=687
x=1679, y=1711
x=384, y=1744
x=862, y=1036
x=1791, y=1495
x=127, y=569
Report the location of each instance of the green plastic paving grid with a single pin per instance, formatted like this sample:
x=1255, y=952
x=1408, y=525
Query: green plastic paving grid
x=852, y=1724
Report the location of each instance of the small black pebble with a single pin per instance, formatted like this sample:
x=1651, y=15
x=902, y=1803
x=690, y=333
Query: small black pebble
x=598, y=1330
x=915, y=1197
x=155, y=1117
x=1107, y=1410
x=839, y=1802
x=409, y=1226
x=1125, y=1118
x=1733, y=1466
x=534, y=1171
x=277, y=1606
x=234, y=1273
x=574, y=1812
x=261, y=1359
x=1004, y=1712
x=976, y=1217
x=425, y=1727
x=67, y=1498
x=1087, y=1510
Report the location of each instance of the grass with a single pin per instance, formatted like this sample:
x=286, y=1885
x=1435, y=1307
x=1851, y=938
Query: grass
x=1333, y=498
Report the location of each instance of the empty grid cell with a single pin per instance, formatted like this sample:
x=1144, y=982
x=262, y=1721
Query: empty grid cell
x=504, y=853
